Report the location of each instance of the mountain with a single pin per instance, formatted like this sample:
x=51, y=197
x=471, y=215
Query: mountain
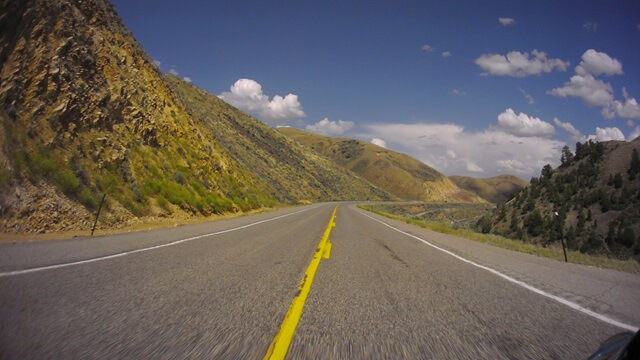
x=398, y=174
x=592, y=201
x=84, y=111
x=498, y=189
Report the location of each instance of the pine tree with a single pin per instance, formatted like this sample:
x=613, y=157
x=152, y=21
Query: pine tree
x=617, y=181
x=566, y=159
x=634, y=168
x=546, y=172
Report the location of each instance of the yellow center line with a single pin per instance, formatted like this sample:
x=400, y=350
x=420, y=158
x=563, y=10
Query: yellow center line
x=280, y=344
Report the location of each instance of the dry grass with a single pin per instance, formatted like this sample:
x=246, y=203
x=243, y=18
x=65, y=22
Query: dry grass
x=630, y=265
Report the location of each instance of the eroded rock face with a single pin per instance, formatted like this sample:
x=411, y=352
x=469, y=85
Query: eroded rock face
x=84, y=111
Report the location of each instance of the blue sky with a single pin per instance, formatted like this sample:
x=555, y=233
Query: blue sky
x=435, y=80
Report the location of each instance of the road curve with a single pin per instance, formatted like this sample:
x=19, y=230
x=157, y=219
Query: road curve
x=225, y=292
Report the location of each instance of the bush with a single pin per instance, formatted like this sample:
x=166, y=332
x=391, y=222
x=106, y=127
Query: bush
x=89, y=199
x=67, y=182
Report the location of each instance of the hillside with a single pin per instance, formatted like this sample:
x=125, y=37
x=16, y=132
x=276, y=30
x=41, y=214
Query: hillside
x=398, y=174
x=498, y=189
x=596, y=194
x=84, y=111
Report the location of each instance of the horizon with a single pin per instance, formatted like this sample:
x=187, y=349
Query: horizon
x=489, y=91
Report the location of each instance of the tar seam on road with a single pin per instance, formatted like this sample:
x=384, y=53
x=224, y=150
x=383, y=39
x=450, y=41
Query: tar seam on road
x=518, y=282
x=50, y=267
x=280, y=344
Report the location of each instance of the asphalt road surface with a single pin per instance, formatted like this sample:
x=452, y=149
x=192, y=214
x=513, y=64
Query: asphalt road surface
x=224, y=292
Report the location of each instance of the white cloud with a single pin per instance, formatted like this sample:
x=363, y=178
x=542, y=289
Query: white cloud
x=330, y=127
x=606, y=134
x=446, y=54
x=489, y=152
x=634, y=134
x=174, y=72
x=187, y=79
x=630, y=109
x=519, y=64
x=598, y=63
x=427, y=47
x=505, y=21
x=576, y=135
x=157, y=63
x=523, y=125
x=247, y=95
x=590, y=26
x=592, y=91
x=379, y=142
x=527, y=96
x=458, y=92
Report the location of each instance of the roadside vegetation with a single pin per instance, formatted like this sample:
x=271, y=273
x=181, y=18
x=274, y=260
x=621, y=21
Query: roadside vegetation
x=473, y=232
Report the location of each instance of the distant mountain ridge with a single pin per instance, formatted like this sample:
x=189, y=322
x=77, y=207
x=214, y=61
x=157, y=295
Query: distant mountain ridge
x=497, y=189
x=398, y=174
x=84, y=111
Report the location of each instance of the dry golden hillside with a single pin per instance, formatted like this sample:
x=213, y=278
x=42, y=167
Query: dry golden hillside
x=498, y=189
x=398, y=174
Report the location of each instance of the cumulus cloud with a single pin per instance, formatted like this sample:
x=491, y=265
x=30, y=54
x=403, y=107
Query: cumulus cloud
x=458, y=92
x=187, y=79
x=595, y=92
x=519, y=64
x=427, y=47
x=446, y=54
x=174, y=72
x=523, y=125
x=590, y=26
x=592, y=91
x=576, y=135
x=330, y=127
x=379, y=142
x=488, y=153
x=505, y=21
x=629, y=109
x=606, y=134
x=247, y=95
x=598, y=63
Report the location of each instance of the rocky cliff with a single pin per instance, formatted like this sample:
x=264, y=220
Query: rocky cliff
x=84, y=111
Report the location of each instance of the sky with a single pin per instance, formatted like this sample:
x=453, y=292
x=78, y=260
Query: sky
x=476, y=88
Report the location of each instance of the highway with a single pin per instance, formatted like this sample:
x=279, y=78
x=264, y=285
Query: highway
x=223, y=290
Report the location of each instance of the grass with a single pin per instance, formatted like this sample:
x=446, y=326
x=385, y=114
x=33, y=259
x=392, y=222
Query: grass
x=630, y=265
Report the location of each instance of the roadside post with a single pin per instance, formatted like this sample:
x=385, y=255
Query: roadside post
x=104, y=196
x=564, y=251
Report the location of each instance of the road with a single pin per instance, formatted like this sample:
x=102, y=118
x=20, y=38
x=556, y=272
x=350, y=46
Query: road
x=224, y=292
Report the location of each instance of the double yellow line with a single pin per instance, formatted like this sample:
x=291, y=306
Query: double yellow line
x=280, y=344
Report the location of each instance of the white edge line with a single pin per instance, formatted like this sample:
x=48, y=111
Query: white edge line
x=518, y=282
x=57, y=266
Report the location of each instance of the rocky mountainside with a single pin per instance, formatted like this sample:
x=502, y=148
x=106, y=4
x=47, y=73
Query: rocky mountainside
x=398, y=174
x=84, y=111
x=498, y=189
x=592, y=201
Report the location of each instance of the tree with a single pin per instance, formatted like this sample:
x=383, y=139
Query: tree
x=581, y=219
x=634, y=168
x=589, y=215
x=617, y=181
x=628, y=237
x=546, y=172
x=566, y=159
x=534, y=223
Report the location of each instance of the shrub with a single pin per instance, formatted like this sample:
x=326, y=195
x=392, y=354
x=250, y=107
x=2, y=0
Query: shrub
x=89, y=199
x=67, y=182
